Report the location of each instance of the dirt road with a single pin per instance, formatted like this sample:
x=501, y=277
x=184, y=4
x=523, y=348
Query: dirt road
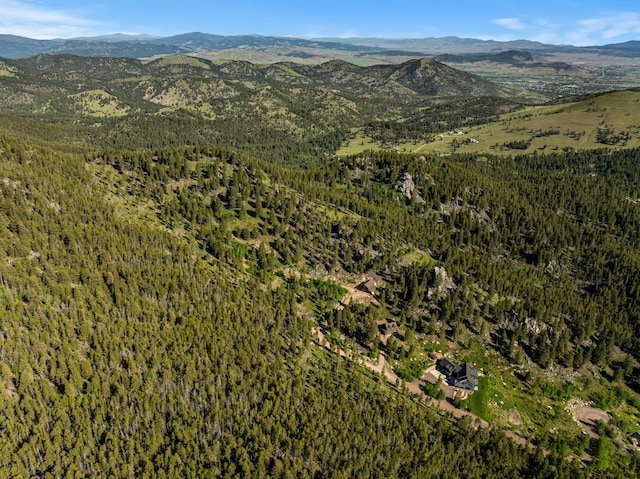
x=415, y=387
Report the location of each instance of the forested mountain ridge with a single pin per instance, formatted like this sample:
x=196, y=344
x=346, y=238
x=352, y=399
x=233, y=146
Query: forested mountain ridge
x=604, y=120
x=181, y=244
x=149, y=307
x=130, y=350
x=415, y=76
x=276, y=111
x=558, y=70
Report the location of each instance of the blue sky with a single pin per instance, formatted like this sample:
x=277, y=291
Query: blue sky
x=584, y=22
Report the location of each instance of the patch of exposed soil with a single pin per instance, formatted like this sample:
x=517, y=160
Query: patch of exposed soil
x=588, y=418
x=514, y=417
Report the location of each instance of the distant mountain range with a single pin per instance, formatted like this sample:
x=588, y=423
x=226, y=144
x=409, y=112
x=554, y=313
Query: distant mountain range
x=169, y=81
x=141, y=46
x=511, y=58
x=144, y=46
x=183, y=99
x=463, y=46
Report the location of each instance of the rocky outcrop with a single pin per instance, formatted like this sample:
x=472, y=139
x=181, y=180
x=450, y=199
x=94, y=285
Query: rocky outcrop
x=442, y=284
x=407, y=187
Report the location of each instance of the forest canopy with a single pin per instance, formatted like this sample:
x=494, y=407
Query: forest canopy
x=195, y=293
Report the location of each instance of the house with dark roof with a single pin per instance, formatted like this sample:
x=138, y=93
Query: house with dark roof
x=463, y=377
x=388, y=328
x=446, y=367
x=466, y=378
x=368, y=286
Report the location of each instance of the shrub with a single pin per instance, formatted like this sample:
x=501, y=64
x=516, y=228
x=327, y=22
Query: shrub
x=433, y=390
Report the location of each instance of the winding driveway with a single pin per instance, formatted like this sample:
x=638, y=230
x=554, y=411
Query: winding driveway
x=415, y=387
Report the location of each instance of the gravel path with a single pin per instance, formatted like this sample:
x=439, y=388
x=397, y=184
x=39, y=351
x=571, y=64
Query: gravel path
x=415, y=387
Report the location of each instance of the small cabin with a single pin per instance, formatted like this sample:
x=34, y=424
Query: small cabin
x=388, y=328
x=368, y=286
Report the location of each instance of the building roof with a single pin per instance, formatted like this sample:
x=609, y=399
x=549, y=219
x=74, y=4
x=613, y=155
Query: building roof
x=459, y=375
x=449, y=368
x=389, y=328
x=368, y=286
x=469, y=372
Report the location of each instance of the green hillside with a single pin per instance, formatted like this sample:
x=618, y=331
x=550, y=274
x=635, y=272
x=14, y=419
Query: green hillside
x=601, y=121
x=282, y=112
x=604, y=121
x=149, y=306
x=201, y=287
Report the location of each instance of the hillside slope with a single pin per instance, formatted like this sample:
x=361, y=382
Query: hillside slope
x=604, y=120
x=141, y=336
x=601, y=121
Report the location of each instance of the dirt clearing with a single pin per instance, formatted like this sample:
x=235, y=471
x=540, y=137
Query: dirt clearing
x=588, y=418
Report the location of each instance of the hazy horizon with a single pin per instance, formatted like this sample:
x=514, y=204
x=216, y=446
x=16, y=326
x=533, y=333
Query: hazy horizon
x=565, y=22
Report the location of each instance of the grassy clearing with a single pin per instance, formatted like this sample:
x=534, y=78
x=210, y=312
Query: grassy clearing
x=478, y=402
x=549, y=128
x=99, y=103
x=417, y=257
x=203, y=109
x=290, y=72
x=184, y=60
x=361, y=143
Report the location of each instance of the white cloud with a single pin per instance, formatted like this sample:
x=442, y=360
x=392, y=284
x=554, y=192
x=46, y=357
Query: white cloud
x=20, y=17
x=596, y=30
x=592, y=30
x=628, y=24
x=510, y=23
x=538, y=29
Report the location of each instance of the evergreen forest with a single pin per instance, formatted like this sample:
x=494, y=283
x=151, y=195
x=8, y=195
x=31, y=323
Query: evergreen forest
x=185, y=262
